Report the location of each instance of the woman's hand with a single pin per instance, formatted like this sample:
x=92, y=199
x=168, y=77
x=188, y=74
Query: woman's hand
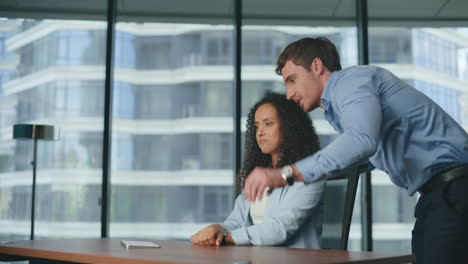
x=211, y=235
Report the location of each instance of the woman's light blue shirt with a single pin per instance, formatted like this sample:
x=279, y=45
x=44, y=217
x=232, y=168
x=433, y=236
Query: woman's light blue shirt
x=292, y=218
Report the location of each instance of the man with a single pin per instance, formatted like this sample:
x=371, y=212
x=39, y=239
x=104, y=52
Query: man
x=383, y=120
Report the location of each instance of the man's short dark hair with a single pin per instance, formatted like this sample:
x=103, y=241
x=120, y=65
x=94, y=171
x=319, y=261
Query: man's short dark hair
x=302, y=52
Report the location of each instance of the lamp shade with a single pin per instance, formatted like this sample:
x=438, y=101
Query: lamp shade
x=30, y=131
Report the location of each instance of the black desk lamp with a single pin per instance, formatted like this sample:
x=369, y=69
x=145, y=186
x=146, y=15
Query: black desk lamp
x=34, y=132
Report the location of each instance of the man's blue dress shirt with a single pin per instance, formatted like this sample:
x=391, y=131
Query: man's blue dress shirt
x=386, y=121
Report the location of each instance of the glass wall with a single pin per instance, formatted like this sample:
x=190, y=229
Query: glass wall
x=172, y=150
x=52, y=72
x=172, y=168
x=433, y=60
x=262, y=42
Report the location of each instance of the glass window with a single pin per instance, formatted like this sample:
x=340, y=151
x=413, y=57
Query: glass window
x=43, y=88
x=172, y=129
x=263, y=41
x=425, y=58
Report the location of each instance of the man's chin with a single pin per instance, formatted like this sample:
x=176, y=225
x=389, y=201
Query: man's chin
x=308, y=109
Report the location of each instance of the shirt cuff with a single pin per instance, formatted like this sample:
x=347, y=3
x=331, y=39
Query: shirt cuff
x=226, y=227
x=240, y=236
x=302, y=166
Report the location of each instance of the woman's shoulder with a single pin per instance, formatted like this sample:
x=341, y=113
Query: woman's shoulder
x=299, y=188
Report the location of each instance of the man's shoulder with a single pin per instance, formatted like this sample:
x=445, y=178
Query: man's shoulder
x=362, y=69
x=348, y=81
x=349, y=75
x=359, y=74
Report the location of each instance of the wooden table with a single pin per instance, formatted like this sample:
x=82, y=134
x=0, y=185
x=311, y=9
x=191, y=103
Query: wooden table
x=102, y=251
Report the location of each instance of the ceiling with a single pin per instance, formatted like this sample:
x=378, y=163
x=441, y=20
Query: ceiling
x=296, y=12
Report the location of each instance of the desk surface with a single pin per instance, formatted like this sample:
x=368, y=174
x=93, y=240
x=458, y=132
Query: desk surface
x=102, y=251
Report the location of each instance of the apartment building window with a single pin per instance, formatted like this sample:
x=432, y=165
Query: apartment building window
x=122, y=145
x=385, y=47
x=214, y=200
x=79, y=47
x=125, y=52
x=216, y=151
x=262, y=47
x=443, y=53
x=187, y=50
x=124, y=99
x=152, y=102
x=216, y=98
x=217, y=47
x=153, y=53
x=152, y=152
x=18, y=199
x=70, y=95
x=189, y=98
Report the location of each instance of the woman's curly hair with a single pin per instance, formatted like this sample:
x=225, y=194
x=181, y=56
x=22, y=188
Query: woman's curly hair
x=299, y=137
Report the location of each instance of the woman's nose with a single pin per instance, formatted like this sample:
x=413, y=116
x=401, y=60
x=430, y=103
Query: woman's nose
x=260, y=132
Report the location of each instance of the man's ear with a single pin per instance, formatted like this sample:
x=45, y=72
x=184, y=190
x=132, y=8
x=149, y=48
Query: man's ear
x=317, y=66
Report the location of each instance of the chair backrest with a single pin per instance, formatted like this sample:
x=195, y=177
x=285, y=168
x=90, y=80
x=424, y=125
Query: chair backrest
x=340, y=195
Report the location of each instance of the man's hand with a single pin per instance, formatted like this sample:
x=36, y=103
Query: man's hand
x=211, y=235
x=259, y=179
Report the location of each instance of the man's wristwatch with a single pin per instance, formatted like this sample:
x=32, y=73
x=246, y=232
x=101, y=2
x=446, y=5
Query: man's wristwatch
x=287, y=174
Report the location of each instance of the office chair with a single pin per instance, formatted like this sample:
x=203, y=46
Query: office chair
x=340, y=194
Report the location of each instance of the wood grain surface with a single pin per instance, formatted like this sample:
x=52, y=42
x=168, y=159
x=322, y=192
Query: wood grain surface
x=103, y=251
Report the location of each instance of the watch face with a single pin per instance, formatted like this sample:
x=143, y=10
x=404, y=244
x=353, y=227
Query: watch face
x=288, y=174
x=287, y=171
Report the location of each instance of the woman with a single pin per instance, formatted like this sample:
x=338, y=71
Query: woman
x=278, y=133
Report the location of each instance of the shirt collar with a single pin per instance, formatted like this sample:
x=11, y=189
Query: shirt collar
x=327, y=91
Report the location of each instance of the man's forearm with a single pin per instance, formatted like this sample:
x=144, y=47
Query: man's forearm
x=297, y=175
